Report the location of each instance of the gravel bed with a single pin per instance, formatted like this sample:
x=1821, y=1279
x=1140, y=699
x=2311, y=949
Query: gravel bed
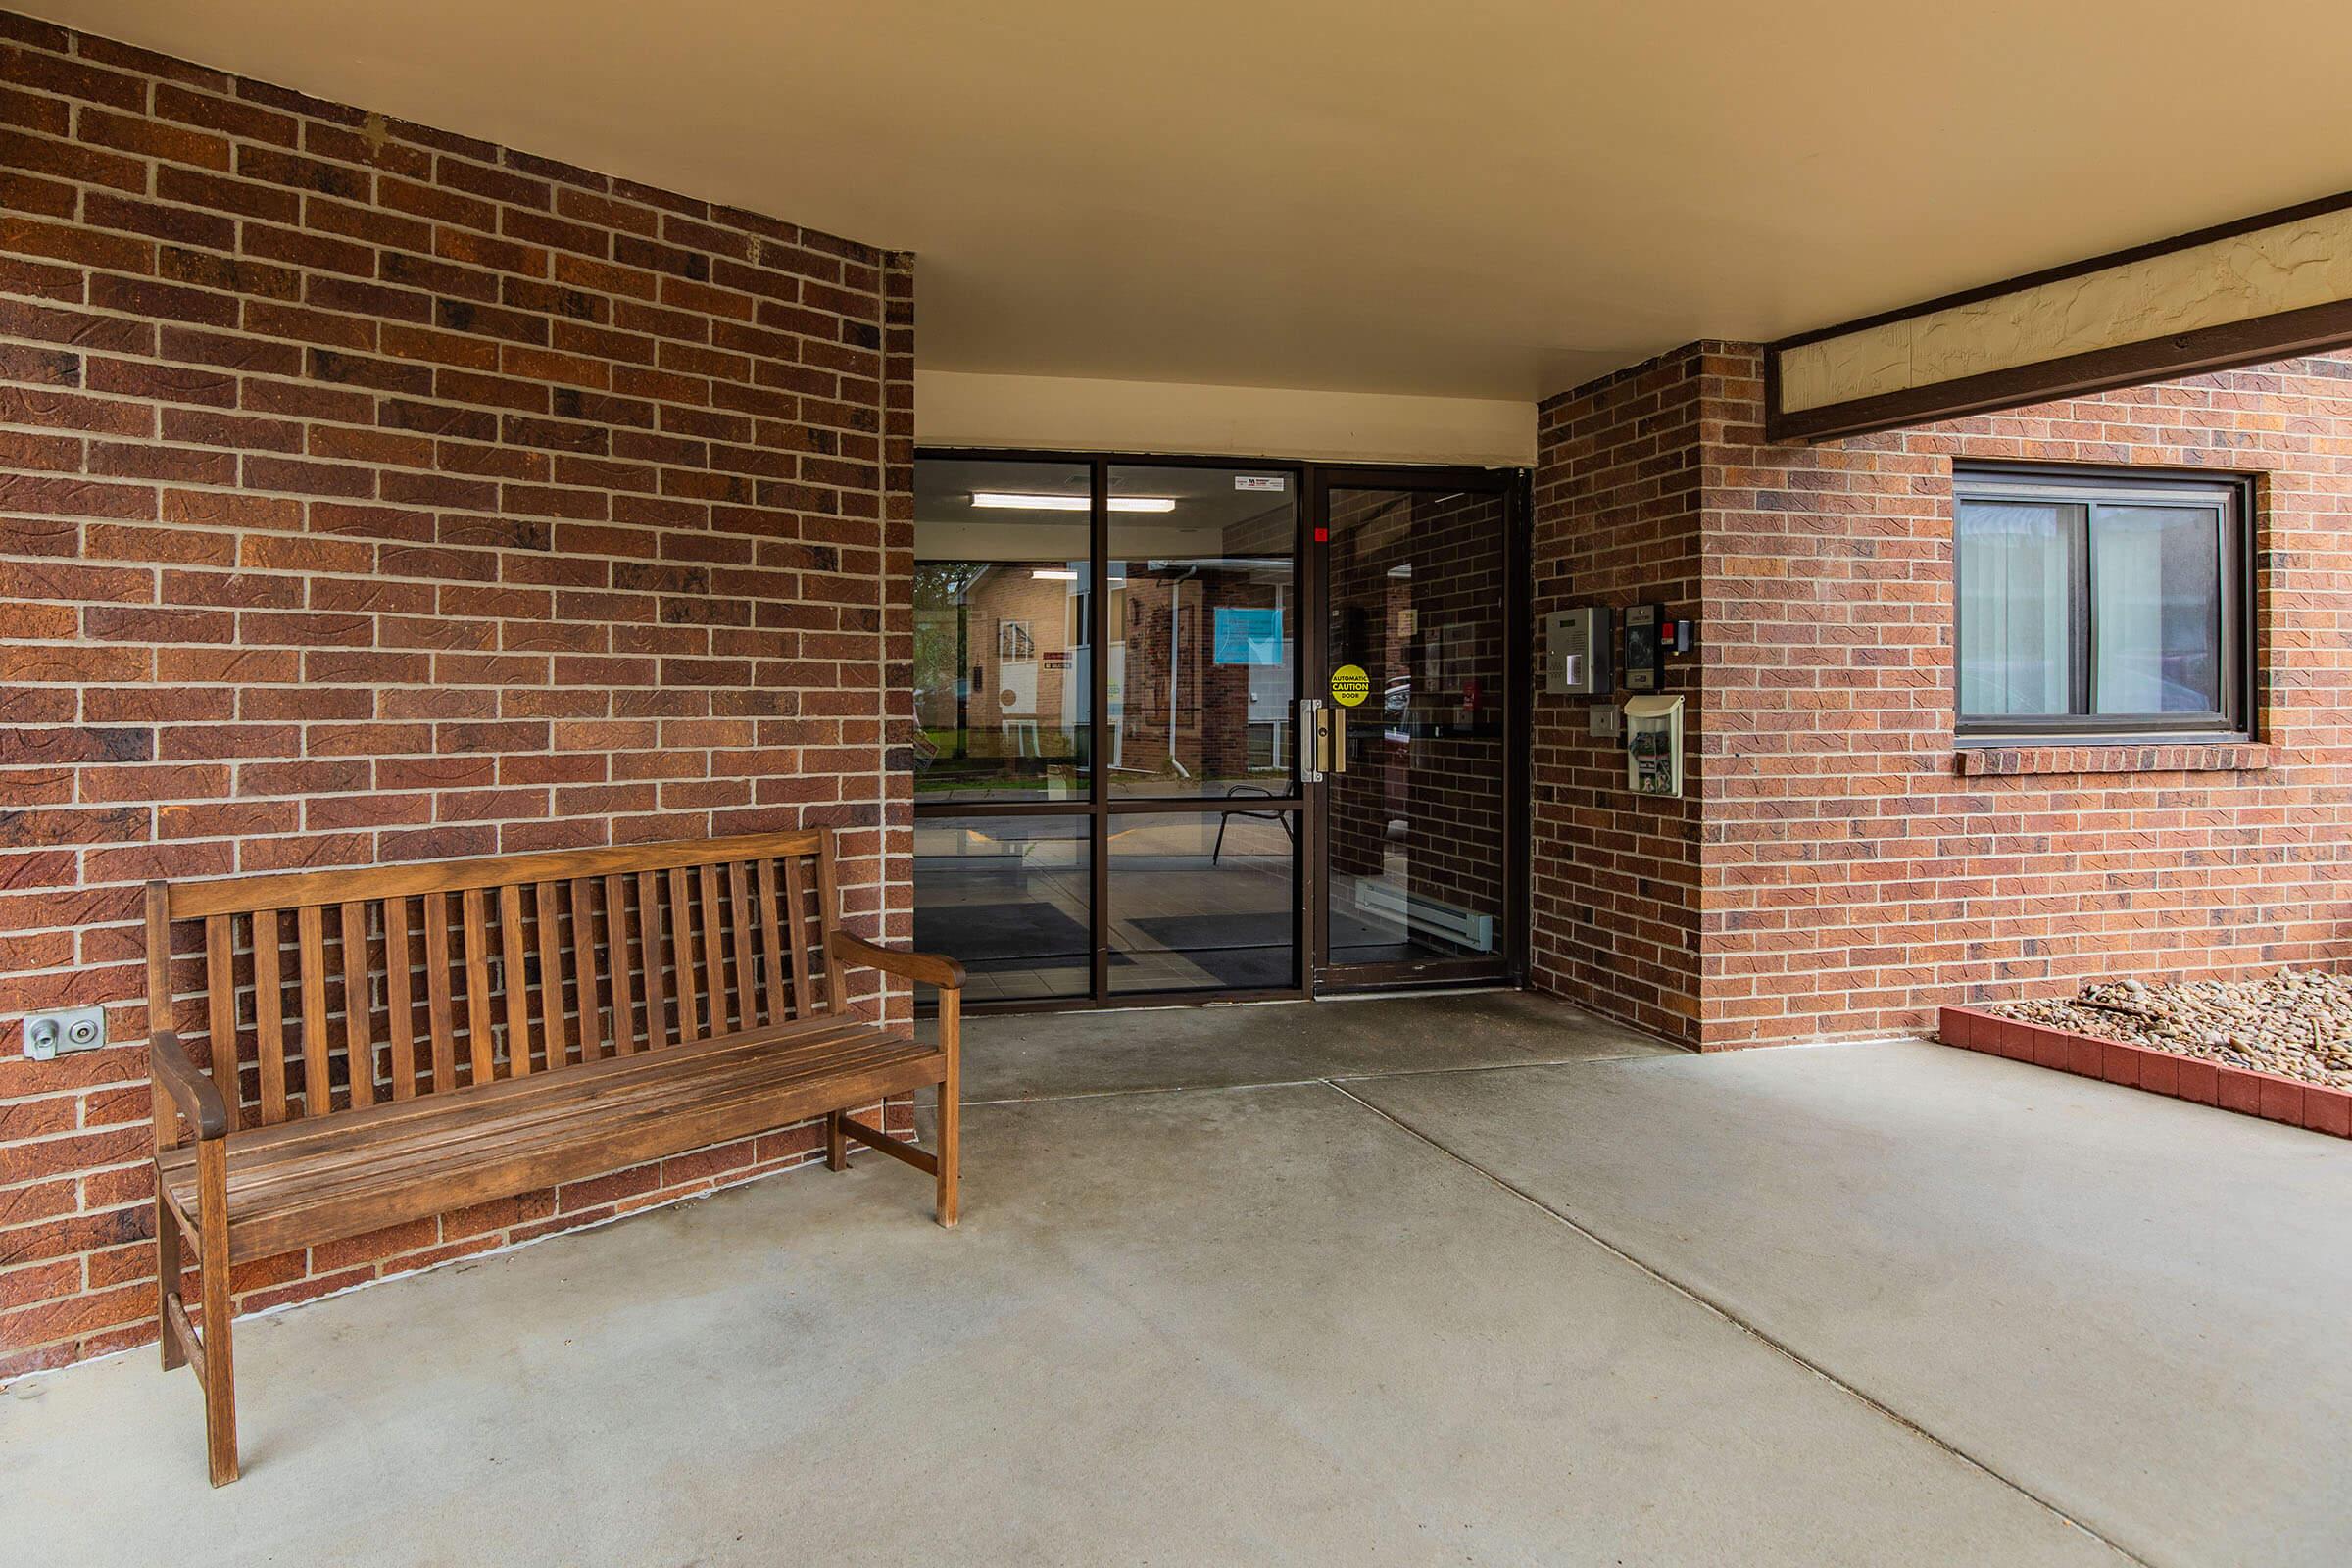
x=2296, y=1024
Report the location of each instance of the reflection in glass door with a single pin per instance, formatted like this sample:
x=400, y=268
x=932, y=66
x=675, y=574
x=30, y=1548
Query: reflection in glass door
x=1003, y=739
x=1416, y=821
x=1104, y=754
x=1203, y=618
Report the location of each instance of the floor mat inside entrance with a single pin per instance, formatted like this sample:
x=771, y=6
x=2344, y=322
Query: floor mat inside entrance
x=1002, y=936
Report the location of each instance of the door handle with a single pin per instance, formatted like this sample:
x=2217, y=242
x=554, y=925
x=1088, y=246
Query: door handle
x=1339, y=740
x=1314, y=736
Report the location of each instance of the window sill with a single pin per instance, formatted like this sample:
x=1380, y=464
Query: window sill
x=2123, y=757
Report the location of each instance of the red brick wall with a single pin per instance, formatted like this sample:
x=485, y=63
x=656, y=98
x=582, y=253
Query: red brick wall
x=1849, y=875
x=369, y=493
x=1854, y=877
x=1615, y=890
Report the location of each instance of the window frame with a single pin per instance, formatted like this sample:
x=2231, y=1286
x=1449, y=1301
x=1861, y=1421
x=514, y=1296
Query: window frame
x=2089, y=488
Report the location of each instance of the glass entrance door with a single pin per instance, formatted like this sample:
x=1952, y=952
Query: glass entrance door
x=1197, y=729
x=1415, y=830
x=1201, y=760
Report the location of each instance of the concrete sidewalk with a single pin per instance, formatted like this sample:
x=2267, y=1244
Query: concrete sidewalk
x=1870, y=1305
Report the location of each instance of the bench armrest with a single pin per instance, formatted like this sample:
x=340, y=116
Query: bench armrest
x=198, y=1099
x=932, y=969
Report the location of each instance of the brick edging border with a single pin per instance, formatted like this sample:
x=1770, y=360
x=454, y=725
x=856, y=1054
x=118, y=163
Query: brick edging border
x=2267, y=1094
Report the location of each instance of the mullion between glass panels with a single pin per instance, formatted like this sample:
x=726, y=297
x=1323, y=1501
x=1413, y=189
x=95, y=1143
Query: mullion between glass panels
x=1098, y=719
x=2081, y=625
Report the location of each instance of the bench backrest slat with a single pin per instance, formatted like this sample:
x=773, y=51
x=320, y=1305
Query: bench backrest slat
x=586, y=992
x=649, y=963
x=620, y=967
x=538, y=963
x=269, y=1017
x=518, y=998
x=828, y=896
x=710, y=951
x=310, y=922
x=358, y=1001
x=764, y=897
x=475, y=944
x=682, y=958
x=400, y=1009
x=441, y=1008
x=220, y=1003
x=795, y=895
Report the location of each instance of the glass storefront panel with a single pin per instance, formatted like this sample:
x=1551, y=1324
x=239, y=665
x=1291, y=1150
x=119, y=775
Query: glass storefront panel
x=1007, y=896
x=1112, y=792
x=1204, y=624
x=1002, y=654
x=1203, y=901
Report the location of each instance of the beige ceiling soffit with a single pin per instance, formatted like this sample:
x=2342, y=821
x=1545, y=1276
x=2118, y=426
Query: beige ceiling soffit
x=1044, y=412
x=2263, y=288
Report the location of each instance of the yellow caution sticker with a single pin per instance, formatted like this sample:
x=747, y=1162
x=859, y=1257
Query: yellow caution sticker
x=1349, y=685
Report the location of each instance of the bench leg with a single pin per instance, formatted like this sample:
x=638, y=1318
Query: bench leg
x=836, y=1144
x=167, y=1277
x=220, y=1378
x=950, y=1135
x=951, y=1102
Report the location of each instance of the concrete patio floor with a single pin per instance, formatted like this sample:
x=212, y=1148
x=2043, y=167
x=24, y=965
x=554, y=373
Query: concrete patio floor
x=1449, y=1280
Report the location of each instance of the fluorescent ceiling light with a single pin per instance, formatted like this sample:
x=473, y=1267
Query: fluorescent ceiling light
x=1018, y=500
x=1055, y=574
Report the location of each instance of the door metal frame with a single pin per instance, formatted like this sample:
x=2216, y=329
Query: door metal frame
x=1309, y=914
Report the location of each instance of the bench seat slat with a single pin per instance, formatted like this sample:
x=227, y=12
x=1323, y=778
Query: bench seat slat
x=307, y=1179
x=298, y=1184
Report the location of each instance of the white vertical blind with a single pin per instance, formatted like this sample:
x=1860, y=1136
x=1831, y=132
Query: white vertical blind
x=2016, y=653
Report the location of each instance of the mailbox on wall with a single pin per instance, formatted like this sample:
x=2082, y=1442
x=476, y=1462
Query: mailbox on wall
x=1653, y=745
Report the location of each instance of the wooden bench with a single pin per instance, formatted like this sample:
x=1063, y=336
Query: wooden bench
x=474, y=1029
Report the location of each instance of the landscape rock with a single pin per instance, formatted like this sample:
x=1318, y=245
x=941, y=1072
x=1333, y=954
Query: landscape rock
x=2296, y=1024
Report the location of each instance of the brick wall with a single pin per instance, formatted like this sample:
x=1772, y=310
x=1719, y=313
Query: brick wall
x=369, y=493
x=1614, y=895
x=1854, y=876
x=1850, y=869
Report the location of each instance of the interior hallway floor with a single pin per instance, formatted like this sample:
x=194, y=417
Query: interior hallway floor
x=1447, y=1280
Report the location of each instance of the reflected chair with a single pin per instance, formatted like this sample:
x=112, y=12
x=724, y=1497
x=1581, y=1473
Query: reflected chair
x=1226, y=815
